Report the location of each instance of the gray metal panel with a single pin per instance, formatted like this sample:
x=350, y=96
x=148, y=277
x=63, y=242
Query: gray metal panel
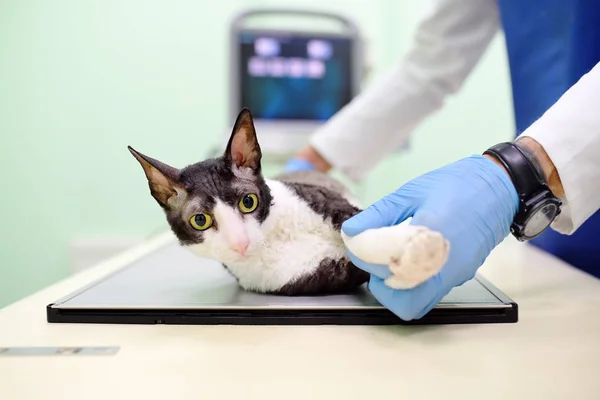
x=174, y=278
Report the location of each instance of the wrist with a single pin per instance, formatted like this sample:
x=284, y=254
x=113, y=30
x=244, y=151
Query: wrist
x=546, y=167
x=309, y=154
x=504, y=184
x=498, y=163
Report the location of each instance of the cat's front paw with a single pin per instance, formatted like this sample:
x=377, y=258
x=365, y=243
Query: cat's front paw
x=424, y=255
x=413, y=254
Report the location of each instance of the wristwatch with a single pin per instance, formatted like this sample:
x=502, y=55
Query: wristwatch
x=538, y=206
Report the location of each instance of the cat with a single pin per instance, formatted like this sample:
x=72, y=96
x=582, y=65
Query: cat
x=283, y=235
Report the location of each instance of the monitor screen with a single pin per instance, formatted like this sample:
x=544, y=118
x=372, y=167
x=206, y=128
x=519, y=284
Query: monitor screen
x=284, y=76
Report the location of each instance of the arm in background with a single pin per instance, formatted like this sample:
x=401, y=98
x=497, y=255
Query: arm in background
x=448, y=44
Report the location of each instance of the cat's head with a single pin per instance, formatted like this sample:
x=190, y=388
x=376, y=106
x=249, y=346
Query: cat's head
x=215, y=206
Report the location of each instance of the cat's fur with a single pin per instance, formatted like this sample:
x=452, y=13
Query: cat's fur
x=291, y=243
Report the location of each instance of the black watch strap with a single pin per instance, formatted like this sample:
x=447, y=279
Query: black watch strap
x=538, y=207
x=523, y=171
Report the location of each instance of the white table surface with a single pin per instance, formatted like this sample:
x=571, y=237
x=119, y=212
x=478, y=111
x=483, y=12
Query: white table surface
x=553, y=352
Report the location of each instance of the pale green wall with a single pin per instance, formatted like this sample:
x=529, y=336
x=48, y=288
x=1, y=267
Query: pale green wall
x=81, y=79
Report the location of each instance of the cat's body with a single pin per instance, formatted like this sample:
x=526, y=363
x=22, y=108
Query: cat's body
x=300, y=248
x=280, y=236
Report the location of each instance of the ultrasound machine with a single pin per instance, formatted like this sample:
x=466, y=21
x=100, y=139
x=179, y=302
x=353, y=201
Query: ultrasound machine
x=292, y=80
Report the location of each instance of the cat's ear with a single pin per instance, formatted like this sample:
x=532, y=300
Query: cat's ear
x=163, y=181
x=243, y=150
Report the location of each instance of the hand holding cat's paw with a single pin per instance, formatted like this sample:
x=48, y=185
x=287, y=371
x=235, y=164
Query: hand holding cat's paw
x=412, y=253
x=459, y=212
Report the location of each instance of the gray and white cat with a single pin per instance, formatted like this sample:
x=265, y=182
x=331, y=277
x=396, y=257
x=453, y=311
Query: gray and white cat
x=281, y=236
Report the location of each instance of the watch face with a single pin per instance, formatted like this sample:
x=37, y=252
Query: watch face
x=540, y=220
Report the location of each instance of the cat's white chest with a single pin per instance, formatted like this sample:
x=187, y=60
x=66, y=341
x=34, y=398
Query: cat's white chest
x=296, y=240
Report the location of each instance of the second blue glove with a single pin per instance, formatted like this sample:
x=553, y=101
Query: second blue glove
x=296, y=164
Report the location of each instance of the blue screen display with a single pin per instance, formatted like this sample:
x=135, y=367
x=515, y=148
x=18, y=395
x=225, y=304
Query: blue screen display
x=294, y=77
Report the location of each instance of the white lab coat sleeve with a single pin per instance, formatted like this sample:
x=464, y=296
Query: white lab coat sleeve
x=569, y=132
x=447, y=45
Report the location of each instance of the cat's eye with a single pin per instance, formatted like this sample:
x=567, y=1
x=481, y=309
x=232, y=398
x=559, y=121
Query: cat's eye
x=201, y=222
x=248, y=203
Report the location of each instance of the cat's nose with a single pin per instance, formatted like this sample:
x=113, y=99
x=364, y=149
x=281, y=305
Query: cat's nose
x=241, y=246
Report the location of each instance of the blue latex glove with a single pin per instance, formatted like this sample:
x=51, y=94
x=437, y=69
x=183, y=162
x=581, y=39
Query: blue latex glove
x=296, y=164
x=472, y=202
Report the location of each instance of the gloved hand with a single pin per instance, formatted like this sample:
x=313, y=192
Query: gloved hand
x=472, y=202
x=297, y=164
